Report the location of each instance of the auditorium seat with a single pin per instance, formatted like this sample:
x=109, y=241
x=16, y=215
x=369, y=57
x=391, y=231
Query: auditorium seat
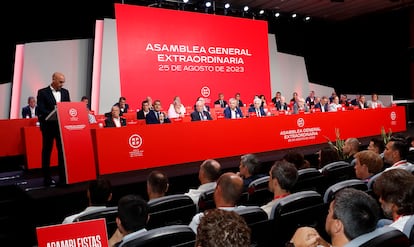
x=381, y=237
x=173, y=235
x=171, y=210
x=350, y=183
x=258, y=192
x=304, y=208
x=310, y=179
x=338, y=171
x=109, y=214
x=258, y=222
x=206, y=200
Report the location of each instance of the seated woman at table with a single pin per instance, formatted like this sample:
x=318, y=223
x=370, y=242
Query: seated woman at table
x=176, y=108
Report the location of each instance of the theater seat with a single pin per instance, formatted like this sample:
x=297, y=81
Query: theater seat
x=109, y=214
x=338, y=171
x=310, y=179
x=206, y=200
x=258, y=192
x=350, y=183
x=381, y=237
x=258, y=222
x=174, y=236
x=171, y=210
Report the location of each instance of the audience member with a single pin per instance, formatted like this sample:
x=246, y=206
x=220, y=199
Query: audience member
x=395, y=189
x=327, y=155
x=232, y=110
x=410, y=154
x=323, y=104
x=30, y=111
x=282, y=105
x=157, y=184
x=300, y=106
x=153, y=117
x=176, y=109
x=377, y=145
x=208, y=174
x=115, y=120
x=91, y=116
x=367, y=164
x=277, y=97
x=257, y=108
x=282, y=178
x=131, y=220
x=374, y=102
x=145, y=109
x=395, y=153
x=227, y=193
x=335, y=105
x=99, y=193
x=361, y=103
x=239, y=102
x=249, y=169
x=200, y=114
x=310, y=100
x=220, y=228
x=123, y=106
x=296, y=158
x=351, y=147
x=221, y=101
x=351, y=214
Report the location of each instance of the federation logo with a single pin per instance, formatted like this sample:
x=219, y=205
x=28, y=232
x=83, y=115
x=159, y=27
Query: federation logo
x=393, y=116
x=205, y=91
x=73, y=112
x=135, y=141
x=300, y=122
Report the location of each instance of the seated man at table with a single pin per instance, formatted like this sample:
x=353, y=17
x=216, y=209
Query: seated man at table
x=200, y=114
x=323, y=104
x=257, y=108
x=221, y=101
x=145, y=109
x=232, y=111
x=115, y=120
x=154, y=116
x=123, y=106
x=30, y=111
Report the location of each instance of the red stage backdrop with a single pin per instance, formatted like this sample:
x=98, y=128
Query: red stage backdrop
x=166, y=53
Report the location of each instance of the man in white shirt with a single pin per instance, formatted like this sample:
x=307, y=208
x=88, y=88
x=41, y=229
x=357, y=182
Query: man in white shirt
x=395, y=152
x=208, y=174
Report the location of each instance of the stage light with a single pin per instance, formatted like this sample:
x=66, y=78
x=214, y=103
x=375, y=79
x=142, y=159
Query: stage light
x=185, y=1
x=246, y=8
x=307, y=18
x=261, y=12
x=294, y=15
x=277, y=14
x=208, y=4
x=227, y=5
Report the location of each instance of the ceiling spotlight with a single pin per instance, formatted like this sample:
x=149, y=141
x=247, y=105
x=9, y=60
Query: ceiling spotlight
x=185, y=1
x=208, y=4
x=294, y=15
x=261, y=12
x=307, y=18
x=277, y=14
x=227, y=5
x=246, y=8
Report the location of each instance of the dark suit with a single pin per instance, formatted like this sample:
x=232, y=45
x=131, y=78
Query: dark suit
x=125, y=110
x=222, y=104
x=109, y=122
x=152, y=118
x=262, y=112
x=27, y=113
x=227, y=112
x=319, y=106
x=46, y=103
x=195, y=116
x=281, y=106
x=362, y=105
x=140, y=114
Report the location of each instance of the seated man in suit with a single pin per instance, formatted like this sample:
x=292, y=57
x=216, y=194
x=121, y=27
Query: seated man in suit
x=115, y=120
x=361, y=102
x=257, y=108
x=281, y=105
x=233, y=111
x=200, y=114
x=131, y=221
x=221, y=101
x=30, y=111
x=300, y=106
x=323, y=104
x=239, y=102
x=123, y=106
x=145, y=109
x=156, y=116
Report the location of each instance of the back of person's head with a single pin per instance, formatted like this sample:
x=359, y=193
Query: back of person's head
x=231, y=186
x=132, y=212
x=211, y=170
x=358, y=212
x=371, y=159
x=396, y=186
x=157, y=183
x=285, y=173
x=99, y=192
x=399, y=143
x=327, y=155
x=221, y=228
x=296, y=158
x=251, y=162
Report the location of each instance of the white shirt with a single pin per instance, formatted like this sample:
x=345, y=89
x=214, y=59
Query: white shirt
x=196, y=219
x=400, y=222
x=89, y=209
x=117, y=122
x=56, y=94
x=32, y=111
x=400, y=164
x=195, y=193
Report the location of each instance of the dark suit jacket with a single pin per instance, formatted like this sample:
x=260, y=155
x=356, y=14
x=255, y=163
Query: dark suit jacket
x=319, y=106
x=217, y=102
x=151, y=118
x=46, y=102
x=195, y=116
x=360, y=105
x=125, y=110
x=26, y=112
x=279, y=106
x=227, y=112
x=109, y=122
x=262, y=112
x=140, y=114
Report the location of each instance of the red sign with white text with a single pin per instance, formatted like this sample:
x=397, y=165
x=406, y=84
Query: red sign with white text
x=165, y=53
x=76, y=141
x=90, y=233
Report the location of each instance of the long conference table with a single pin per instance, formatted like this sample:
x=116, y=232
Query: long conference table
x=140, y=146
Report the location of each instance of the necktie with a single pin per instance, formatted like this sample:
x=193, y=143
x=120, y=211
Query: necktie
x=221, y=103
x=257, y=113
x=201, y=116
x=158, y=115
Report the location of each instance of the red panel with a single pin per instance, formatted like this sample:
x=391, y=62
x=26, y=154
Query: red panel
x=33, y=146
x=11, y=141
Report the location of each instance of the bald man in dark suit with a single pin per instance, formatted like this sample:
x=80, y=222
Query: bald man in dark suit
x=46, y=101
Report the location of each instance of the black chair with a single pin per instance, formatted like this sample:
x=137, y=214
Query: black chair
x=171, y=210
x=351, y=183
x=304, y=208
x=258, y=192
x=108, y=213
x=408, y=229
x=206, y=200
x=166, y=236
x=381, y=237
x=258, y=221
x=310, y=179
x=338, y=171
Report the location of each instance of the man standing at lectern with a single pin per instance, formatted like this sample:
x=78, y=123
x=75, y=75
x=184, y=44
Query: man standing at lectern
x=46, y=100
